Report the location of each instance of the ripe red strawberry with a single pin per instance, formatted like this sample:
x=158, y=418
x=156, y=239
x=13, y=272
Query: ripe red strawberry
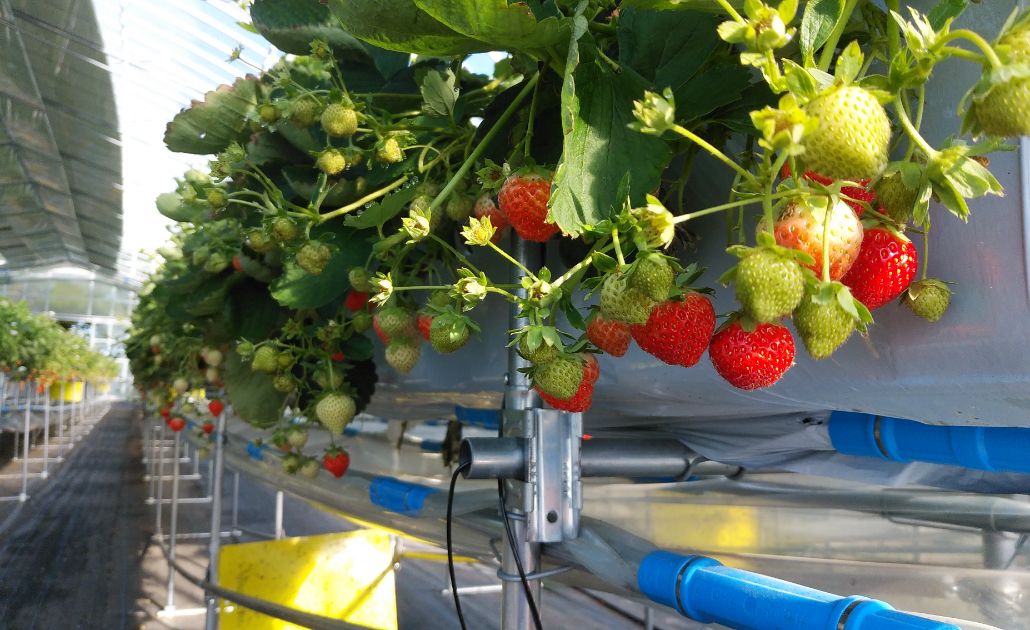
x=857, y=192
x=579, y=402
x=752, y=360
x=485, y=207
x=236, y=263
x=591, y=369
x=336, y=462
x=356, y=300
x=425, y=325
x=165, y=413
x=216, y=407
x=800, y=227
x=208, y=428
x=609, y=335
x=176, y=424
x=523, y=200
x=885, y=266
x=678, y=333
x=379, y=331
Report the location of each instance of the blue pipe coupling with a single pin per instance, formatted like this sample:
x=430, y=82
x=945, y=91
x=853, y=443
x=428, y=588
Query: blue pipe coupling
x=995, y=449
x=399, y=496
x=706, y=591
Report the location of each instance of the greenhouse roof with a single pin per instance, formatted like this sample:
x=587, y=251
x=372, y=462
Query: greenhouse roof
x=85, y=91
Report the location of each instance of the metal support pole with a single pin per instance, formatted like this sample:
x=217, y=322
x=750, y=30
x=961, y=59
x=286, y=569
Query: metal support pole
x=71, y=419
x=159, y=455
x=46, y=434
x=235, y=499
x=173, y=525
x=519, y=394
x=279, y=515
x=60, y=422
x=999, y=549
x=14, y=408
x=24, y=496
x=648, y=618
x=218, y=462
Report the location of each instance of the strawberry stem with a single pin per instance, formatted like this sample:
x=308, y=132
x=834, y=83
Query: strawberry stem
x=919, y=121
x=912, y=132
x=830, y=47
x=926, y=248
x=462, y=258
x=975, y=38
x=361, y=202
x=893, y=30
x=484, y=143
x=512, y=260
x=735, y=204
x=618, y=247
x=690, y=135
x=731, y=11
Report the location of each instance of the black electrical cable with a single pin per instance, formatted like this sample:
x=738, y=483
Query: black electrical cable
x=518, y=560
x=450, y=547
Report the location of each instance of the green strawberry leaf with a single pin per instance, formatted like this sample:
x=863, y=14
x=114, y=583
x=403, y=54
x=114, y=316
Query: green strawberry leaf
x=706, y=6
x=921, y=210
x=951, y=199
x=800, y=82
x=251, y=393
x=291, y=25
x=816, y=25
x=504, y=26
x=598, y=142
x=572, y=313
x=604, y=263
x=667, y=49
x=849, y=64
x=402, y=26
x=382, y=211
x=298, y=289
x=439, y=94
x=210, y=126
x=945, y=11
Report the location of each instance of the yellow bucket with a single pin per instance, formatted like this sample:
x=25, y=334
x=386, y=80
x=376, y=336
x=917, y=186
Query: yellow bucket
x=72, y=391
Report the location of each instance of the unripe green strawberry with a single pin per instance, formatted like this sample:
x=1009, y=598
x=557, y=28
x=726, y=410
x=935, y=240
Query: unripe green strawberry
x=823, y=327
x=217, y=198
x=313, y=257
x=216, y=263
x=1004, y=111
x=197, y=177
x=339, y=121
x=440, y=337
x=331, y=161
x=391, y=152
x=544, y=353
x=896, y=200
x=200, y=255
x=282, y=383
x=310, y=468
x=622, y=302
x=361, y=320
x=928, y=299
x=853, y=136
x=322, y=379
x=395, y=321
x=459, y=207
x=402, y=354
x=291, y=463
x=269, y=113
x=334, y=411
x=259, y=241
x=768, y=285
x=284, y=360
x=284, y=229
x=305, y=112
x=559, y=378
x=360, y=279
x=653, y=277
x=264, y=360
x=297, y=437
x=440, y=297
x=421, y=204
x=428, y=188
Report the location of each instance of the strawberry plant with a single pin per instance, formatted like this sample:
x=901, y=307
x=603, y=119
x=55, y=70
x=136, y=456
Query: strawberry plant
x=348, y=178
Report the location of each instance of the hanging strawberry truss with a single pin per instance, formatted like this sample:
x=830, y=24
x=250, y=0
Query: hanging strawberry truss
x=352, y=186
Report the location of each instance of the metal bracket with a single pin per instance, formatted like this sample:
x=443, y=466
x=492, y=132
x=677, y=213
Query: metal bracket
x=552, y=493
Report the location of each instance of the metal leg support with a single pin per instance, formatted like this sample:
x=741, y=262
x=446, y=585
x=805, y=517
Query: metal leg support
x=174, y=522
x=519, y=394
x=218, y=462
